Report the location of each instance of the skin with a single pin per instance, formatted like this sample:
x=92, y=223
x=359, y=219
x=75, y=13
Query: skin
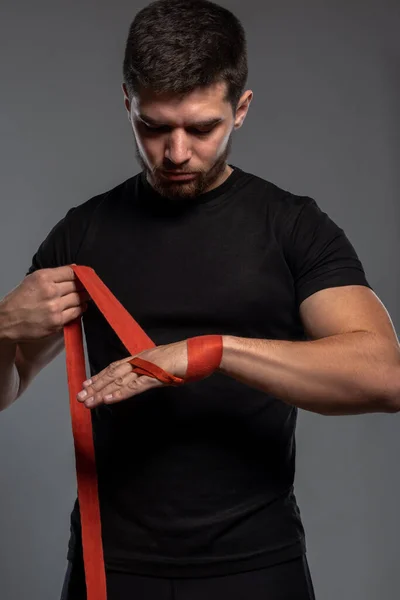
x=176, y=147
x=119, y=381
x=182, y=145
x=360, y=345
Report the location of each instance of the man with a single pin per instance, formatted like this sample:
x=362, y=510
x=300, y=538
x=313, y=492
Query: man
x=196, y=482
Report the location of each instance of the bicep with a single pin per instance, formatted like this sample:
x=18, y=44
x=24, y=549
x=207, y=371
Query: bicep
x=336, y=310
x=31, y=357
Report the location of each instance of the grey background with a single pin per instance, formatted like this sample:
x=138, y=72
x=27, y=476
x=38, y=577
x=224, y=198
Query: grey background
x=324, y=122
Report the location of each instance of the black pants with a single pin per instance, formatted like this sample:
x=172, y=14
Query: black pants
x=290, y=580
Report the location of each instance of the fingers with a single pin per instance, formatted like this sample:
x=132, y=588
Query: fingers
x=72, y=291
x=66, y=280
x=55, y=283
x=120, y=389
x=107, y=391
x=115, y=383
x=74, y=299
x=72, y=313
x=114, y=371
x=69, y=287
x=60, y=274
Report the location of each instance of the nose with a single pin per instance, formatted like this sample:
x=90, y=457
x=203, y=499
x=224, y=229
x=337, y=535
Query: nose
x=177, y=150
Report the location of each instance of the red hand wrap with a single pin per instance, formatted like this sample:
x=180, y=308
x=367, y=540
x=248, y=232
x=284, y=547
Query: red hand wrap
x=204, y=356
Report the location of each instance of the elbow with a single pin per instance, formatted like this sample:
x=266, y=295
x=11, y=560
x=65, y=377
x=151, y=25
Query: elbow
x=393, y=405
x=391, y=402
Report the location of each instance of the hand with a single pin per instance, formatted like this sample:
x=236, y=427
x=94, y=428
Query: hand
x=42, y=304
x=119, y=382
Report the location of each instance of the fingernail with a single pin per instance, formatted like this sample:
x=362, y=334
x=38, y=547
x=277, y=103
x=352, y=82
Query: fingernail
x=82, y=394
x=87, y=382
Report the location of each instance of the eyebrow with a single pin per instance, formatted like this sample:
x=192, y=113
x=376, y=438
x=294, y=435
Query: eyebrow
x=205, y=123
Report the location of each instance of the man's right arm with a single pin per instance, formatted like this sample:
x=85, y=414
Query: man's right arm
x=9, y=376
x=32, y=318
x=20, y=363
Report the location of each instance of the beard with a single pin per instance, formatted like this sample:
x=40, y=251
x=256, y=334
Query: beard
x=183, y=190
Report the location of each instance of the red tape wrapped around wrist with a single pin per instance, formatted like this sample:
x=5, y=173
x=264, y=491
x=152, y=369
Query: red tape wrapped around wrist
x=204, y=357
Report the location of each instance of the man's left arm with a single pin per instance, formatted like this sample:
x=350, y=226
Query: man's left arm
x=351, y=364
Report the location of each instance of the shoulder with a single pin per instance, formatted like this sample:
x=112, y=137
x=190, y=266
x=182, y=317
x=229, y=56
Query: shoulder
x=78, y=218
x=61, y=244
x=271, y=191
x=283, y=205
x=87, y=209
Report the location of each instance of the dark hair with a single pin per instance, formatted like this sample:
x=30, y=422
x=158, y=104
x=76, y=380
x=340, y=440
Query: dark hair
x=180, y=45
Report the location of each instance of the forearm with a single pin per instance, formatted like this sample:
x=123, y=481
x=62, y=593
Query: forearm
x=9, y=377
x=345, y=374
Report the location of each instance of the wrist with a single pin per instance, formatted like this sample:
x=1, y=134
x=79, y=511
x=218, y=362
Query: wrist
x=204, y=354
x=229, y=344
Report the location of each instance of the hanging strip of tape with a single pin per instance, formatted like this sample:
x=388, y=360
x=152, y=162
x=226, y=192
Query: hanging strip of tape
x=204, y=357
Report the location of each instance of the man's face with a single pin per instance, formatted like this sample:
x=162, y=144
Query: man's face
x=190, y=136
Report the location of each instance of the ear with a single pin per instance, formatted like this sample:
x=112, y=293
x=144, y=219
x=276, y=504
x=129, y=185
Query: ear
x=127, y=102
x=242, y=108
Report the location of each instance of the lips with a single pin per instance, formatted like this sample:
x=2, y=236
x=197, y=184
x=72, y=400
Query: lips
x=179, y=176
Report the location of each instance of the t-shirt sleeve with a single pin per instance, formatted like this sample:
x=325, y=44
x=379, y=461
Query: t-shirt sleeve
x=319, y=253
x=60, y=245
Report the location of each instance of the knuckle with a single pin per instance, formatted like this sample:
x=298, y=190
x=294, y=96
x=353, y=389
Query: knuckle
x=43, y=280
x=96, y=384
x=53, y=310
x=54, y=318
x=115, y=395
x=52, y=306
x=48, y=289
x=41, y=275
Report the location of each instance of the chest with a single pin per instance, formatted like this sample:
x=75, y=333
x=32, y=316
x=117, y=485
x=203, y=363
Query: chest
x=181, y=278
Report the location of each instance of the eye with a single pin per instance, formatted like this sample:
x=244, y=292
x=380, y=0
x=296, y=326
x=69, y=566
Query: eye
x=149, y=128
x=201, y=132
x=164, y=128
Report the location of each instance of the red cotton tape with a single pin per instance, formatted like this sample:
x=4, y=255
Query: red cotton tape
x=204, y=357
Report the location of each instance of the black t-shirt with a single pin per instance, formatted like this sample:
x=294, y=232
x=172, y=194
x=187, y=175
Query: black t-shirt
x=198, y=480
